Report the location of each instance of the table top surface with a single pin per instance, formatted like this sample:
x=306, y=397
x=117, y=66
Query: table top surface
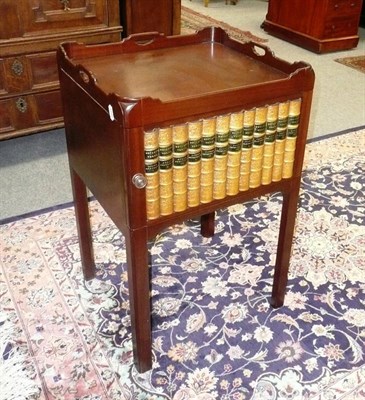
x=179, y=72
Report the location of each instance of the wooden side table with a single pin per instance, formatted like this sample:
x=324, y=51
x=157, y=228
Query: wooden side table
x=164, y=129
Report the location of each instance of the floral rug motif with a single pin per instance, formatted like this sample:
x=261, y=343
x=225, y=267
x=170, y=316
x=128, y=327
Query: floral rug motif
x=191, y=21
x=215, y=336
x=357, y=63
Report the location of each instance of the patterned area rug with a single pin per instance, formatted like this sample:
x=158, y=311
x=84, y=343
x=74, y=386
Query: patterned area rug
x=192, y=21
x=215, y=336
x=357, y=63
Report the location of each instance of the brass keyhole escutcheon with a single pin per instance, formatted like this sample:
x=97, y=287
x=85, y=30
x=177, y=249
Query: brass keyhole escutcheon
x=21, y=104
x=66, y=4
x=17, y=67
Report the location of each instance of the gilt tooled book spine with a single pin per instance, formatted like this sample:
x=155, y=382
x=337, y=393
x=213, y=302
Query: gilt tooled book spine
x=291, y=137
x=246, y=150
x=220, y=156
x=234, y=153
x=195, y=130
x=258, y=147
x=269, y=145
x=165, y=170
x=207, y=160
x=283, y=113
x=152, y=173
x=180, y=136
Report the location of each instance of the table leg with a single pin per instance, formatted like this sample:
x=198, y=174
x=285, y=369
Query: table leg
x=139, y=297
x=83, y=225
x=287, y=224
x=207, y=224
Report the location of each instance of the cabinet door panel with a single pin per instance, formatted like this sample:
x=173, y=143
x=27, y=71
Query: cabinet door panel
x=47, y=15
x=10, y=25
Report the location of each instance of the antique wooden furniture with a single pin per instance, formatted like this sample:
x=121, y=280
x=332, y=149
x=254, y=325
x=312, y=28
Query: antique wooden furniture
x=30, y=32
x=318, y=25
x=206, y=2
x=163, y=16
x=156, y=128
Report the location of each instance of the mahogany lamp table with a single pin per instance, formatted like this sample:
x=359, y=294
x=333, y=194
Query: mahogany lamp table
x=165, y=129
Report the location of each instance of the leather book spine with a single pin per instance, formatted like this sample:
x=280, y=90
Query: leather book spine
x=221, y=157
x=269, y=145
x=258, y=147
x=180, y=166
x=165, y=170
x=283, y=113
x=291, y=137
x=207, y=160
x=151, y=161
x=246, y=150
x=234, y=153
x=195, y=130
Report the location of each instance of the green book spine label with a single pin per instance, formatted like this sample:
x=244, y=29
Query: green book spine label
x=151, y=168
x=180, y=161
x=270, y=137
x=166, y=164
x=292, y=132
x=221, y=150
x=180, y=147
x=248, y=130
x=247, y=143
x=271, y=125
x=208, y=140
x=234, y=147
x=259, y=140
x=165, y=150
x=208, y=153
x=260, y=128
x=195, y=157
x=281, y=134
x=293, y=120
x=282, y=123
x=195, y=144
x=150, y=154
x=236, y=134
x=221, y=137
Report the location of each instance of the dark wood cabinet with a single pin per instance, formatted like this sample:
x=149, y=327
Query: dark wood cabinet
x=317, y=25
x=150, y=16
x=30, y=32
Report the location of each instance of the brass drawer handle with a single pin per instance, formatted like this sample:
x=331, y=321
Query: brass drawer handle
x=21, y=104
x=66, y=4
x=17, y=67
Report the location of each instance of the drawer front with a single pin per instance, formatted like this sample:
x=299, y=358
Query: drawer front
x=342, y=8
x=339, y=27
x=30, y=72
x=24, y=112
x=46, y=15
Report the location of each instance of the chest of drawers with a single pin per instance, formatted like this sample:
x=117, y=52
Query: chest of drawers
x=317, y=25
x=30, y=32
x=164, y=129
